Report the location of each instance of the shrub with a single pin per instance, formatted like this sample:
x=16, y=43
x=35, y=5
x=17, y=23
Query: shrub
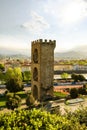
x=39, y=120
x=30, y=101
x=9, y=95
x=82, y=91
x=14, y=85
x=13, y=101
x=85, y=86
x=74, y=93
x=6, y=92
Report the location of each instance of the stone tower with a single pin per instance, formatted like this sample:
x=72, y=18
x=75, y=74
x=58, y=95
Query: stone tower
x=42, y=68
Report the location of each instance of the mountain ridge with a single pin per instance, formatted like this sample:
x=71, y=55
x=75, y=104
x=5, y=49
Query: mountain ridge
x=75, y=53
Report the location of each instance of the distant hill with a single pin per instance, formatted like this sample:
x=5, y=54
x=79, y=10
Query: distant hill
x=76, y=53
x=70, y=55
x=6, y=52
x=18, y=56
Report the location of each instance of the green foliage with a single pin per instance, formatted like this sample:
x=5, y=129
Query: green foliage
x=26, y=76
x=2, y=76
x=2, y=101
x=81, y=77
x=13, y=101
x=17, y=72
x=40, y=120
x=14, y=85
x=9, y=73
x=22, y=94
x=80, y=115
x=64, y=75
x=30, y=101
x=14, y=73
x=14, y=80
x=73, y=62
x=82, y=91
x=2, y=67
x=85, y=86
x=74, y=93
x=4, y=98
x=74, y=77
x=77, y=77
x=60, y=95
x=9, y=95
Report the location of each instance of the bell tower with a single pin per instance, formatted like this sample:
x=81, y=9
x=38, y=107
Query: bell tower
x=42, y=68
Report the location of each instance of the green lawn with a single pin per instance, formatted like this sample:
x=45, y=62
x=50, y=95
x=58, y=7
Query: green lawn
x=60, y=95
x=3, y=98
x=2, y=101
x=23, y=95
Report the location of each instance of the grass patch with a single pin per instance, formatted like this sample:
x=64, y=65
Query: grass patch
x=2, y=101
x=22, y=94
x=60, y=95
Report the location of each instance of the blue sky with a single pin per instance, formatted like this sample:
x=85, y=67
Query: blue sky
x=22, y=21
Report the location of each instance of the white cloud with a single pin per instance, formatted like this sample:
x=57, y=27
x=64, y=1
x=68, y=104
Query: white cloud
x=67, y=11
x=36, y=24
x=73, y=12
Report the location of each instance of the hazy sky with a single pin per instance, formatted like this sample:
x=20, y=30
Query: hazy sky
x=22, y=21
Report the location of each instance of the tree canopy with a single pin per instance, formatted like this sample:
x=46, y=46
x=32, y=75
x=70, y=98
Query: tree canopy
x=2, y=67
x=14, y=85
x=64, y=75
x=78, y=77
x=14, y=73
x=74, y=93
x=14, y=80
x=26, y=75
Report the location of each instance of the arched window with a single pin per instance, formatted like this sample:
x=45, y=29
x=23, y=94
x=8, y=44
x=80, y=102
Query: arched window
x=35, y=74
x=35, y=56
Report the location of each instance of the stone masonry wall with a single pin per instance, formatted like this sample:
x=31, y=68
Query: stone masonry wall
x=42, y=68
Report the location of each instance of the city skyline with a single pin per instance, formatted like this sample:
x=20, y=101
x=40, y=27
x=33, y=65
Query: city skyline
x=23, y=21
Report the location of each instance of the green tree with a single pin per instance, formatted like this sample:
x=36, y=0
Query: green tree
x=82, y=91
x=64, y=75
x=14, y=80
x=1, y=76
x=74, y=77
x=17, y=72
x=9, y=73
x=14, y=85
x=77, y=77
x=85, y=86
x=81, y=77
x=74, y=93
x=14, y=73
x=26, y=76
x=13, y=101
x=2, y=67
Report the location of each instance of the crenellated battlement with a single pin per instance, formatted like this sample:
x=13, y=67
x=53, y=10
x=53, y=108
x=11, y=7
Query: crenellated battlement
x=45, y=41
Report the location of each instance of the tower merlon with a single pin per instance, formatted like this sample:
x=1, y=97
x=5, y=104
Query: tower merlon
x=41, y=41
